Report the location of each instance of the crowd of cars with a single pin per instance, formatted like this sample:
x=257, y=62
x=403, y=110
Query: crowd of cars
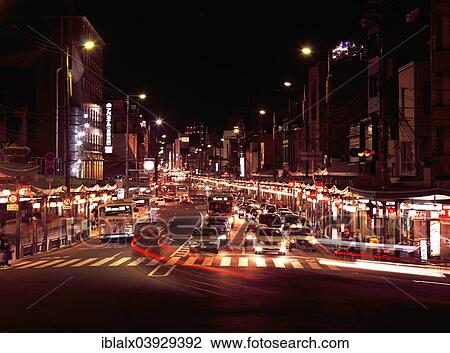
x=268, y=229
x=272, y=229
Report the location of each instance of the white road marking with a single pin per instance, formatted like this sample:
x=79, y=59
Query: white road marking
x=32, y=264
x=334, y=268
x=243, y=262
x=279, y=263
x=226, y=261
x=20, y=264
x=48, y=264
x=120, y=261
x=84, y=262
x=208, y=261
x=429, y=282
x=67, y=263
x=152, y=263
x=260, y=262
x=296, y=264
x=102, y=262
x=314, y=265
x=152, y=274
x=190, y=261
x=137, y=261
x=173, y=260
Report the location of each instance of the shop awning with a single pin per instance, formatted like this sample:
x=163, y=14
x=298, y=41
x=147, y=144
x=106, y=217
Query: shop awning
x=434, y=194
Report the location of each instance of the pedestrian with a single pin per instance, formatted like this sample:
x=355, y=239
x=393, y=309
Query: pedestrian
x=6, y=250
x=2, y=247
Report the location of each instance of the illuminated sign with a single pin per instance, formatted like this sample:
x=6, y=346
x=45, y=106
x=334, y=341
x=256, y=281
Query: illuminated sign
x=423, y=250
x=13, y=199
x=108, y=132
x=435, y=238
x=241, y=167
x=120, y=193
x=185, y=139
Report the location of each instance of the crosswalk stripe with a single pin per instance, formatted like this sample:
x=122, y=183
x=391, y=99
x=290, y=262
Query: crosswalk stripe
x=67, y=263
x=226, y=261
x=334, y=268
x=51, y=263
x=190, y=261
x=260, y=262
x=20, y=264
x=208, y=261
x=137, y=261
x=32, y=264
x=84, y=262
x=101, y=262
x=173, y=260
x=120, y=261
x=296, y=264
x=279, y=263
x=152, y=263
x=243, y=262
x=314, y=265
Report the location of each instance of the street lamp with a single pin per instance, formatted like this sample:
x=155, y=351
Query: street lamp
x=89, y=44
x=158, y=123
x=262, y=112
x=287, y=84
x=127, y=167
x=306, y=51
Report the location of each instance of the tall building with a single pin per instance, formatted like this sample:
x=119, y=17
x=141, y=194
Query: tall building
x=440, y=88
x=34, y=92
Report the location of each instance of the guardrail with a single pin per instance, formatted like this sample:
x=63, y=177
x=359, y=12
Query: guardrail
x=53, y=243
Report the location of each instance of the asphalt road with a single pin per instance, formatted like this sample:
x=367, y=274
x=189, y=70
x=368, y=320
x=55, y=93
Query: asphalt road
x=96, y=287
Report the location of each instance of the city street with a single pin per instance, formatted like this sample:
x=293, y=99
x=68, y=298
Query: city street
x=109, y=287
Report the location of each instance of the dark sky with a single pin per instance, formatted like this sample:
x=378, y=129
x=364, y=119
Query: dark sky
x=206, y=61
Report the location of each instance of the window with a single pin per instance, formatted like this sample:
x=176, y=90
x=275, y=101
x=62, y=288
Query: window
x=427, y=97
x=443, y=33
x=373, y=86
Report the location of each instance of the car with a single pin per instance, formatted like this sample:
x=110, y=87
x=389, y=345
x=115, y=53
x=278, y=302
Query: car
x=186, y=200
x=270, y=208
x=283, y=209
x=250, y=234
x=270, y=240
x=301, y=237
x=284, y=213
x=206, y=238
x=221, y=225
x=158, y=201
x=291, y=219
x=270, y=220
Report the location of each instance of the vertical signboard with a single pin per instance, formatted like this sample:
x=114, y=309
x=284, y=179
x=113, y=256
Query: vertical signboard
x=108, y=130
x=423, y=250
x=435, y=238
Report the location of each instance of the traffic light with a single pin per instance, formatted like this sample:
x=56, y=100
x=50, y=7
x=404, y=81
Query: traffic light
x=361, y=152
x=50, y=165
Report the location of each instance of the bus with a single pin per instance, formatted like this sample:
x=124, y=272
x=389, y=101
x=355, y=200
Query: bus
x=117, y=220
x=221, y=205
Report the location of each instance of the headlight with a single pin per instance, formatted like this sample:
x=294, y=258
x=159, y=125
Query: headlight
x=222, y=237
x=258, y=249
x=231, y=219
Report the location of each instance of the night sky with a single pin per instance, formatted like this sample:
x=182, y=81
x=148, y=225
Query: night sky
x=205, y=62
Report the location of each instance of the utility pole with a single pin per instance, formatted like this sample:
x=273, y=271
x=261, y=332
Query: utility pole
x=66, y=126
x=328, y=102
x=127, y=101
x=156, y=160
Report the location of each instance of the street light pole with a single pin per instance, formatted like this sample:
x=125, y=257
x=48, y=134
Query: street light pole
x=126, y=145
x=66, y=127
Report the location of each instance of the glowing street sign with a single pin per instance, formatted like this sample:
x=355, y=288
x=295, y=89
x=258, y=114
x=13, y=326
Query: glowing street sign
x=108, y=132
x=120, y=194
